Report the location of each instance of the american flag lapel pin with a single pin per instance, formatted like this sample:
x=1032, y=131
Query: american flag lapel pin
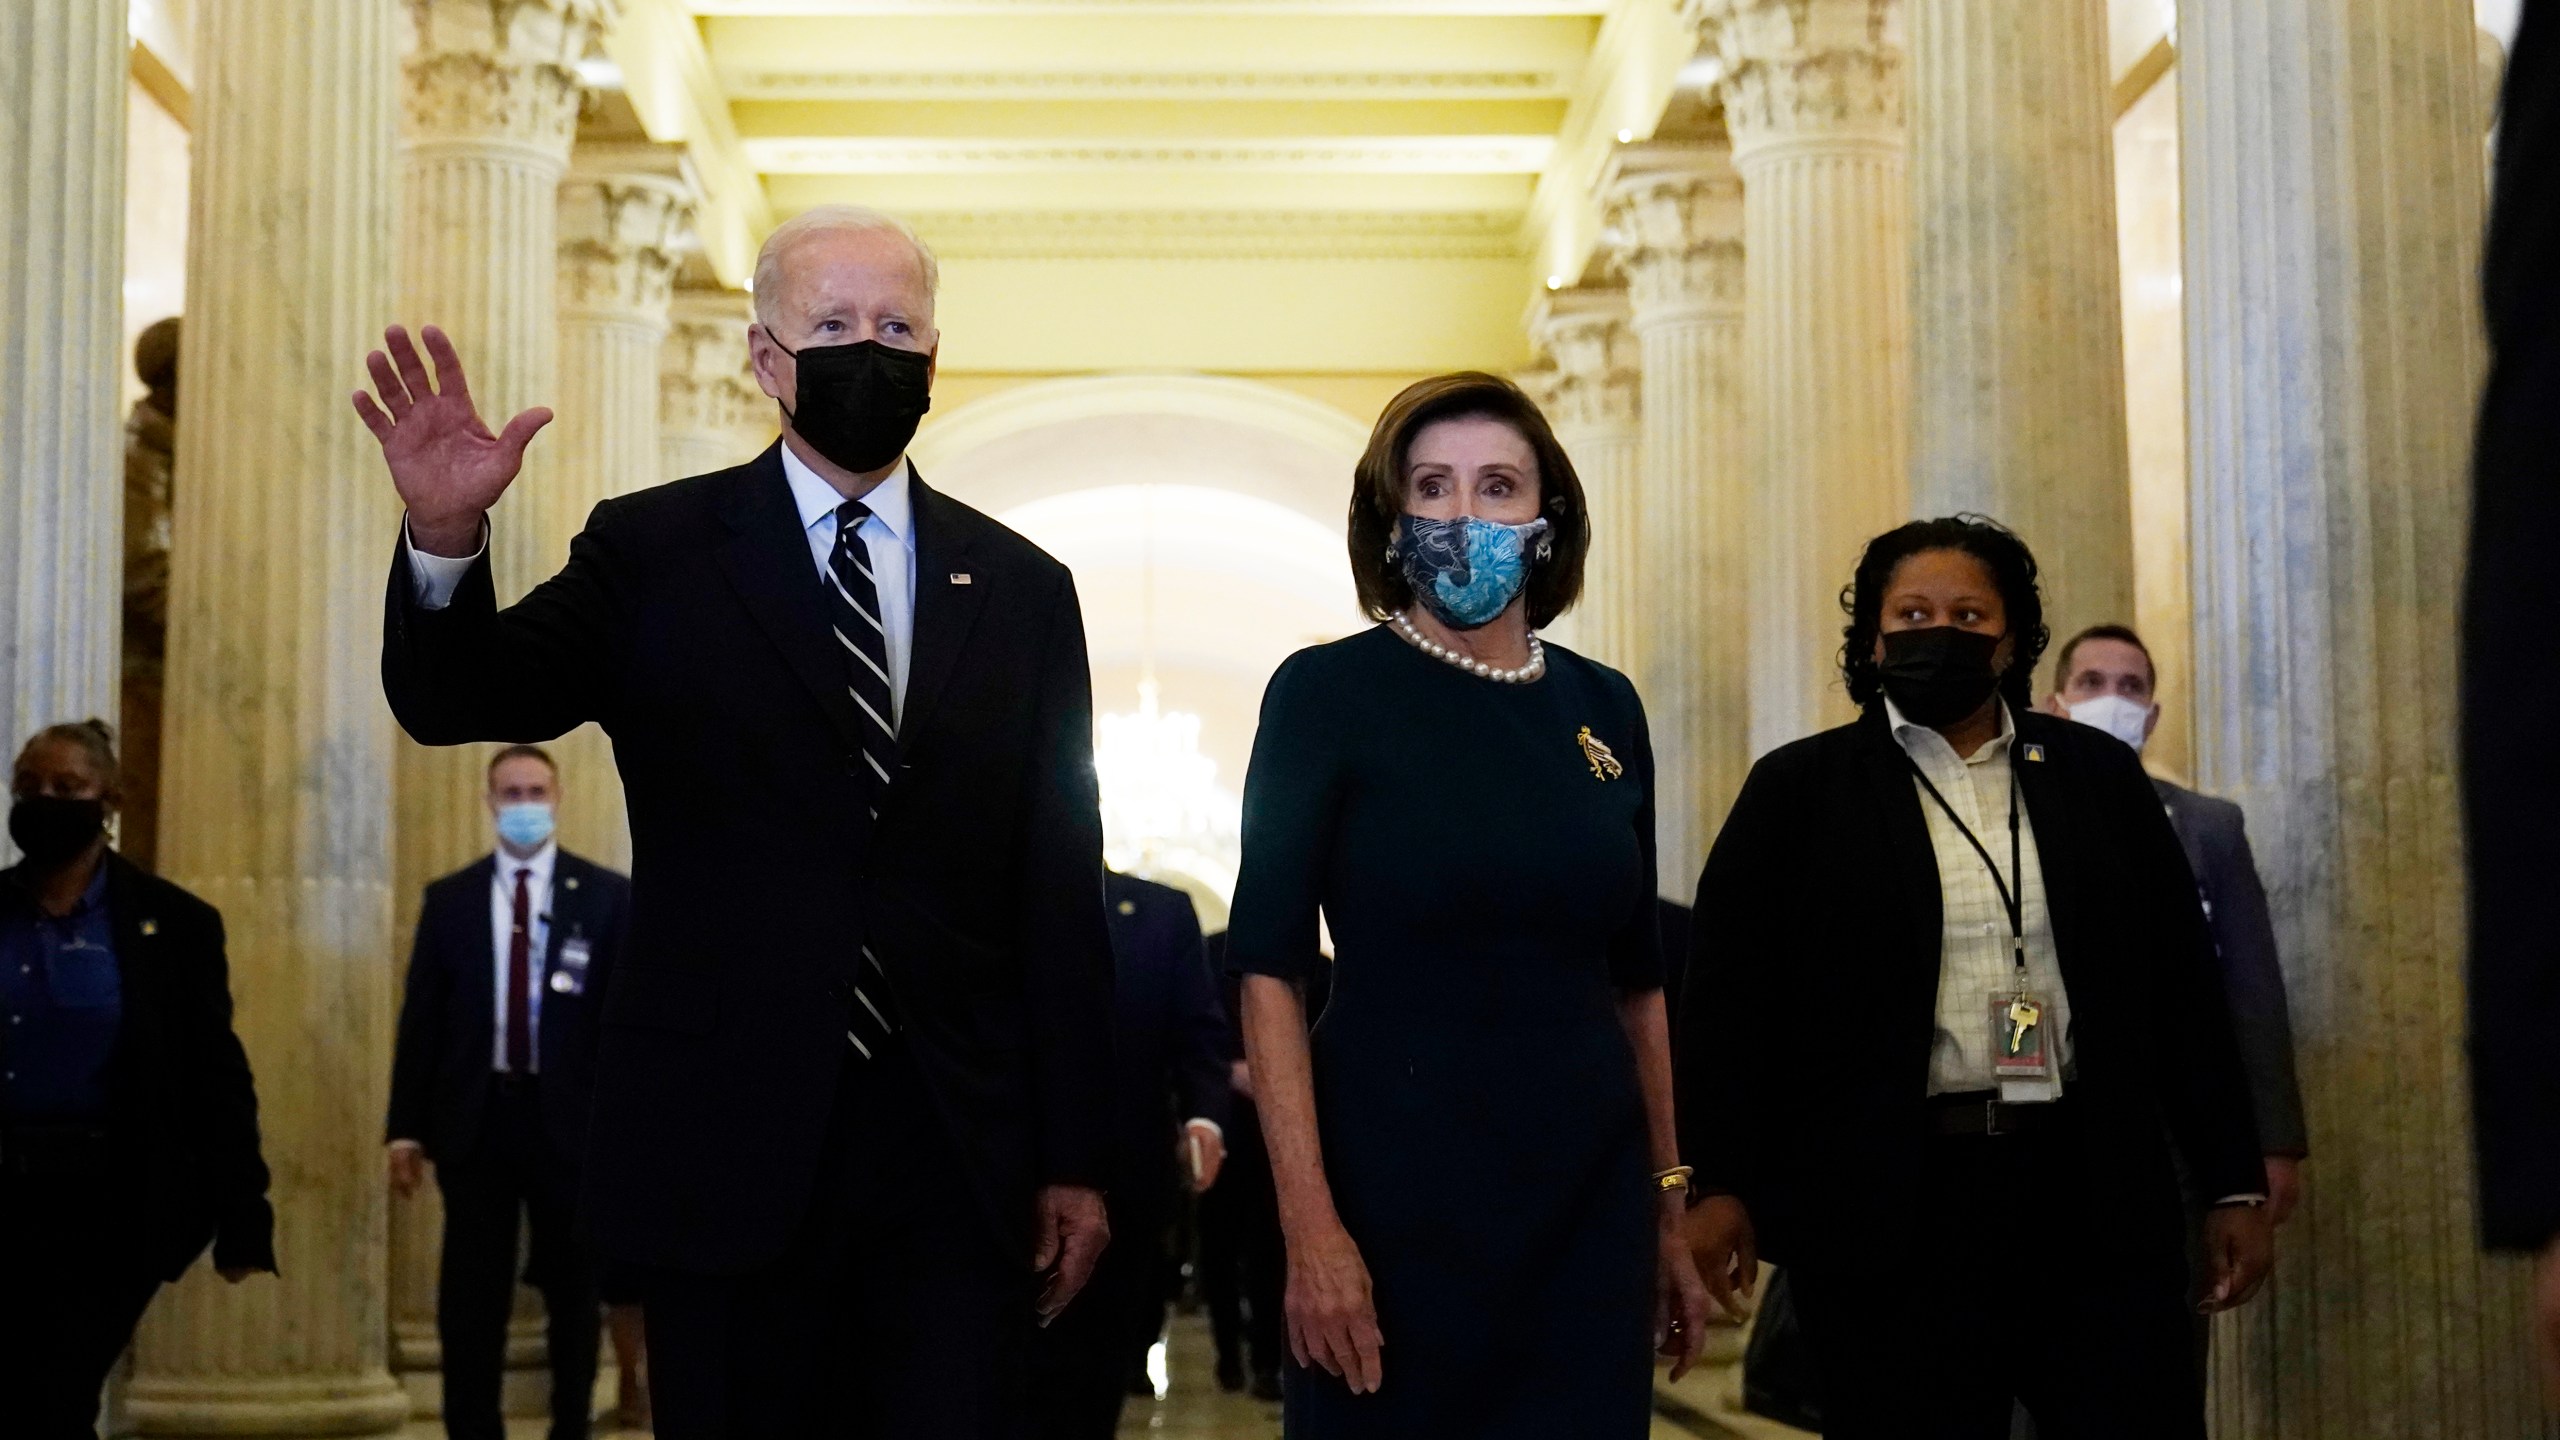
x=960, y=577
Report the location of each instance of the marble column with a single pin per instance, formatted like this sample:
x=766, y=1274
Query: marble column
x=489, y=108
x=1675, y=222
x=62, y=116
x=2334, y=196
x=707, y=395
x=2017, y=333
x=1590, y=399
x=278, y=774
x=1813, y=93
x=623, y=229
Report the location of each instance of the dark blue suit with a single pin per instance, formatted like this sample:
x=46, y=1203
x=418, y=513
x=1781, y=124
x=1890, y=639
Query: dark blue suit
x=1169, y=1041
x=507, y=1149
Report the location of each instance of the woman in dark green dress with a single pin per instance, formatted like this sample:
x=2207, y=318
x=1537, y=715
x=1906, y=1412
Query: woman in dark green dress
x=1474, y=1152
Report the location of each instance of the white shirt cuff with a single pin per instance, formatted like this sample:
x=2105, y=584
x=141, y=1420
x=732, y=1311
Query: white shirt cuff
x=1212, y=1126
x=434, y=578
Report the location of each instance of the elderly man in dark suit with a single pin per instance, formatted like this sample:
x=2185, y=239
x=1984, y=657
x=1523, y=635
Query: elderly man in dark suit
x=853, y=1099
x=493, y=1078
x=1168, y=1037
x=2103, y=677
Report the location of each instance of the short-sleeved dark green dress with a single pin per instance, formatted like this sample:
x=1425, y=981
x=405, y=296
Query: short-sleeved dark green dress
x=1489, y=882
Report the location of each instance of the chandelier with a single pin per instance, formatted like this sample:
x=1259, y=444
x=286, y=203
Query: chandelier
x=1163, y=809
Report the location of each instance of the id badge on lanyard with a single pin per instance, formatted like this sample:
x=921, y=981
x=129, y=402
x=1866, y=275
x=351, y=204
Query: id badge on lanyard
x=2018, y=1017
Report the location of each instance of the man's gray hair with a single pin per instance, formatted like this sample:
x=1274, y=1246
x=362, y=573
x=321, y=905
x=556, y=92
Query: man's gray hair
x=834, y=219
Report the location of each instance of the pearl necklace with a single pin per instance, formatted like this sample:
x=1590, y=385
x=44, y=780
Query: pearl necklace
x=1536, y=667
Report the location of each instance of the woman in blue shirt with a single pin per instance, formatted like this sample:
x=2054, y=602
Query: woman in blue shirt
x=128, y=1119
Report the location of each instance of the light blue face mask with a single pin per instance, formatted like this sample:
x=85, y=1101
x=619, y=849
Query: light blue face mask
x=1466, y=570
x=525, y=825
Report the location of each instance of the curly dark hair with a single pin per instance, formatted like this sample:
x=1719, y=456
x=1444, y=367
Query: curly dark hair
x=2013, y=570
x=1377, y=492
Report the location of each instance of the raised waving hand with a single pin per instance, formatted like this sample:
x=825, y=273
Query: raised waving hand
x=448, y=468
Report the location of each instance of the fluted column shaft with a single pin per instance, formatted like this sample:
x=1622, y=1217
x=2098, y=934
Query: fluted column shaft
x=1813, y=93
x=1678, y=216
x=620, y=238
x=279, y=755
x=2017, y=317
x=62, y=114
x=489, y=108
x=1590, y=401
x=707, y=395
x=2334, y=193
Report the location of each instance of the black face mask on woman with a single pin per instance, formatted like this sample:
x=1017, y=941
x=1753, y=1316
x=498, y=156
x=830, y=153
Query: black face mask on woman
x=52, y=829
x=859, y=404
x=1939, y=675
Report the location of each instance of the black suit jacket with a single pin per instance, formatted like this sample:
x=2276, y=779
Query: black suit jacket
x=2510, y=765
x=2215, y=835
x=1169, y=1030
x=182, y=1108
x=440, y=1064
x=688, y=622
x=1812, y=994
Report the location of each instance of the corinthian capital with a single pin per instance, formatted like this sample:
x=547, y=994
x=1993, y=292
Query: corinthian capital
x=496, y=72
x=1672, y=222
x=1823, y=71
x=704, y=379
x=1585, y=336
x=622, y=233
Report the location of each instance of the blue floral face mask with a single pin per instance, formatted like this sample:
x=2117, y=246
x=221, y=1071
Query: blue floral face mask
x=1466, y=570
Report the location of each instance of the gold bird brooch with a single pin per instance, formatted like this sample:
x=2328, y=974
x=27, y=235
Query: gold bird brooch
x=1603, y=762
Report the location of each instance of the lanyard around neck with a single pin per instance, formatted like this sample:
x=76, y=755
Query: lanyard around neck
x=2011, y=901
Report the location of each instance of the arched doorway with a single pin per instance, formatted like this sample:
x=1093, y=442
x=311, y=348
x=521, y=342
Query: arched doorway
x=1203, y=518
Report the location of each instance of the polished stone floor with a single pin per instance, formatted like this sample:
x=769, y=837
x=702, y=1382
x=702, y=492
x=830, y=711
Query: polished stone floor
x=1191, y=1407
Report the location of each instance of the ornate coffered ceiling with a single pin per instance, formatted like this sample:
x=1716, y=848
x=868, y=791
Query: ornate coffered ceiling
x=1310, y=128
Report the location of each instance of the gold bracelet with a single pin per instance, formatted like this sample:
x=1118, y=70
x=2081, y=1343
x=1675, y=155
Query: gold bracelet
x=1675, y=1178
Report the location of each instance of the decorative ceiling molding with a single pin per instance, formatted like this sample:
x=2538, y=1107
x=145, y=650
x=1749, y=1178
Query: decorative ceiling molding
x=1405, y=155
x=1152, y=85
x=1222, y=235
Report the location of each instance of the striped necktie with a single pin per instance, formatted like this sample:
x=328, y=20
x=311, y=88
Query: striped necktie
x=853, y=609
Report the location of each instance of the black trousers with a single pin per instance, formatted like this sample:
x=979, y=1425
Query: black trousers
x=1243, y=1263
x=893, y=1315
x=512, y=1180
x=71, y=1291
x=2023, y=1293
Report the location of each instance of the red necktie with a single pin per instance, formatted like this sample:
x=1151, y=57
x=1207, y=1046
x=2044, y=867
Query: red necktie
x=520, y=981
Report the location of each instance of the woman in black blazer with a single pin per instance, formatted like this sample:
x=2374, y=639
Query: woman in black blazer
x=1951, y=1006
x=128, y=1120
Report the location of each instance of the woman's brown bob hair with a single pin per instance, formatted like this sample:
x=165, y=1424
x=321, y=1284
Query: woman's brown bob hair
x=1377, y=491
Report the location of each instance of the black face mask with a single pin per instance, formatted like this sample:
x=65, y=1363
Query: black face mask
x=1940, y=675
x=859, y=404
x=52, y=830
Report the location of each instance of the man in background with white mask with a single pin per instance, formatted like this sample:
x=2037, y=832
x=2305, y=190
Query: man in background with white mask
x=492, y=1079
x=2103, y=677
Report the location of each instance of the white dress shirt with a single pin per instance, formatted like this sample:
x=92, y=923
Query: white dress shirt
x=889, y=533
x=1975, y=961
x=502, y=926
